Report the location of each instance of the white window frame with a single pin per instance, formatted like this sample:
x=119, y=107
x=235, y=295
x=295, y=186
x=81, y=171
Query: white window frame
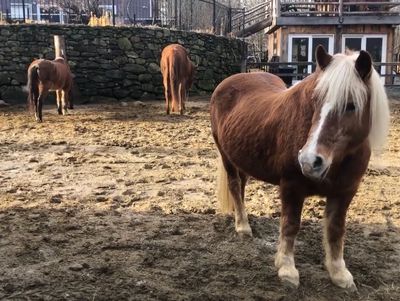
x=310, y=37
x=363, y=38
x=17, y=10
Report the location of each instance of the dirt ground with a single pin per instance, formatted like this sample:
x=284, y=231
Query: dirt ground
x=116, y=202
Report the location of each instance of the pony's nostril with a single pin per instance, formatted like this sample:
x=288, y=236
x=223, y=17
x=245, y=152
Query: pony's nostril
x=317, y=162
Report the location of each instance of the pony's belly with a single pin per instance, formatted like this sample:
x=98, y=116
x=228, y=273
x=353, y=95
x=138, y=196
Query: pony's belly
x=258, y=169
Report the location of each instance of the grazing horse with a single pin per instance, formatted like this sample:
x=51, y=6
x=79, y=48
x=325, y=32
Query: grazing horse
x=314, y=138
x=45, y=75
x=178, y=75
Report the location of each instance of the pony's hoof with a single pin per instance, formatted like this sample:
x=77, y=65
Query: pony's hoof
x=244, y=231
x=289, y=275
x=344, y=279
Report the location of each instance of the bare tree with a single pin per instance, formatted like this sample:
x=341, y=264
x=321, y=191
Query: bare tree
x=79, y=11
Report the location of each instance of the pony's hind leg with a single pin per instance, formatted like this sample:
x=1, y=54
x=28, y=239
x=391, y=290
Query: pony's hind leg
x=59, y=101
x=292, y=204
x=43, y=92
x=231, y=186
x=334, y=228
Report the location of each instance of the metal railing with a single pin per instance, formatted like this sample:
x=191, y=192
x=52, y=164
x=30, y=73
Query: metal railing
x=290, y=72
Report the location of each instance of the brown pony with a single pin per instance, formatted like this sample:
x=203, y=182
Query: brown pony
x=314, y=138
x=45, y=75
x=178, y=75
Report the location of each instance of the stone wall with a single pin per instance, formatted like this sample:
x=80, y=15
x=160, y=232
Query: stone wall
x=118, y=62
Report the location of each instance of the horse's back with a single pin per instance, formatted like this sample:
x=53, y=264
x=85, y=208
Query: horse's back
x=175, y=61
x=54, y=74
x=245, y=89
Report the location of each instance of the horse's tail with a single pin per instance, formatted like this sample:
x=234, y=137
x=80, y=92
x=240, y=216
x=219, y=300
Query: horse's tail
x=174, y=85
x=32, y=85
x=224, y=196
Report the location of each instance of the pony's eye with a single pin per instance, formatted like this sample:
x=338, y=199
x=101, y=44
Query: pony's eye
x=350, y=107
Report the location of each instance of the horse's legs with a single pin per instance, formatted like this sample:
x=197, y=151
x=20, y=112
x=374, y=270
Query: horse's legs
x=292, y=205
x=182, y=99
x=167, y=93
x=35, y=105
x=43, y=92
x=236, y=184
x=41, y=98
x=64, y=101
x=334, y=228
x=59, y=101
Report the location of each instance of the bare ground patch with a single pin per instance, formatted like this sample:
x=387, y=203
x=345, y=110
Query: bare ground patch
x=116, y=202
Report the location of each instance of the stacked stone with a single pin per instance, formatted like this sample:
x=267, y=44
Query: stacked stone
x=116, y=62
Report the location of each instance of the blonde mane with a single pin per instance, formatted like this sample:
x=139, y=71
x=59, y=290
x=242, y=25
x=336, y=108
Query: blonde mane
x=340, y=83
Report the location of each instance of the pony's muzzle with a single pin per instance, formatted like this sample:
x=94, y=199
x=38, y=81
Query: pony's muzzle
x=313, y=165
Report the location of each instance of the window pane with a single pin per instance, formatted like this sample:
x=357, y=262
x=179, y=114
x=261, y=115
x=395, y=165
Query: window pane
x=300, y=53
x=318, y=41
x=353, y=44
x=374, y=47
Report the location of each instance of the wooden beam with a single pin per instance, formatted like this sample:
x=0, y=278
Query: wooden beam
x=59, y=47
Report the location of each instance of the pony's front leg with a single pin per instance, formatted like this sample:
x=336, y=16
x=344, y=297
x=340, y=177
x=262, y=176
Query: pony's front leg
x=64, y=100
x=167, y=94
x=182, y=95
x=334, y=229
x=59, y=101
x=292, y=205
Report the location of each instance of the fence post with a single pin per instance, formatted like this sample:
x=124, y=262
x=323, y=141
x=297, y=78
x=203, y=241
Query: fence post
x=23, y=10
x=244, y=59
x=59, y=47
x=155, y=11
x=214, y=17
x=113, y=12
x=176, y=13
x=180, y=14
x=191, y=15
x=230, y=19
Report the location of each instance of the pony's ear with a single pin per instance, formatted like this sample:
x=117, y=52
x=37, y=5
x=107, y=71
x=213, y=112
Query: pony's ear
x=323, y=58
x=364, y=64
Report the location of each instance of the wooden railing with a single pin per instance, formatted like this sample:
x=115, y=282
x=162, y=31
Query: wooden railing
x=262, y=15
x=337, y=8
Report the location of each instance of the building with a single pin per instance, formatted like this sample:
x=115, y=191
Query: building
x=295, y=28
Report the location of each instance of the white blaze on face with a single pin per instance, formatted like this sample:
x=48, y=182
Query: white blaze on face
x=311, y=149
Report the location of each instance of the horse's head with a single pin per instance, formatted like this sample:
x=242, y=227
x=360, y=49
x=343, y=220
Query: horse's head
x=351, y=109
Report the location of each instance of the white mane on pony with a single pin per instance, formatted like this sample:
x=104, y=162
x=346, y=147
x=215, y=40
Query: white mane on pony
x=340, y=82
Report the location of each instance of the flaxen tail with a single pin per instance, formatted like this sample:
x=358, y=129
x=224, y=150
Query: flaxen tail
x=224, y=196
x=32, y=86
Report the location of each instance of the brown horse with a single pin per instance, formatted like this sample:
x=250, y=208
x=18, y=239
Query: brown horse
x=314, y=138
x=178, y=75
x=45, y=75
